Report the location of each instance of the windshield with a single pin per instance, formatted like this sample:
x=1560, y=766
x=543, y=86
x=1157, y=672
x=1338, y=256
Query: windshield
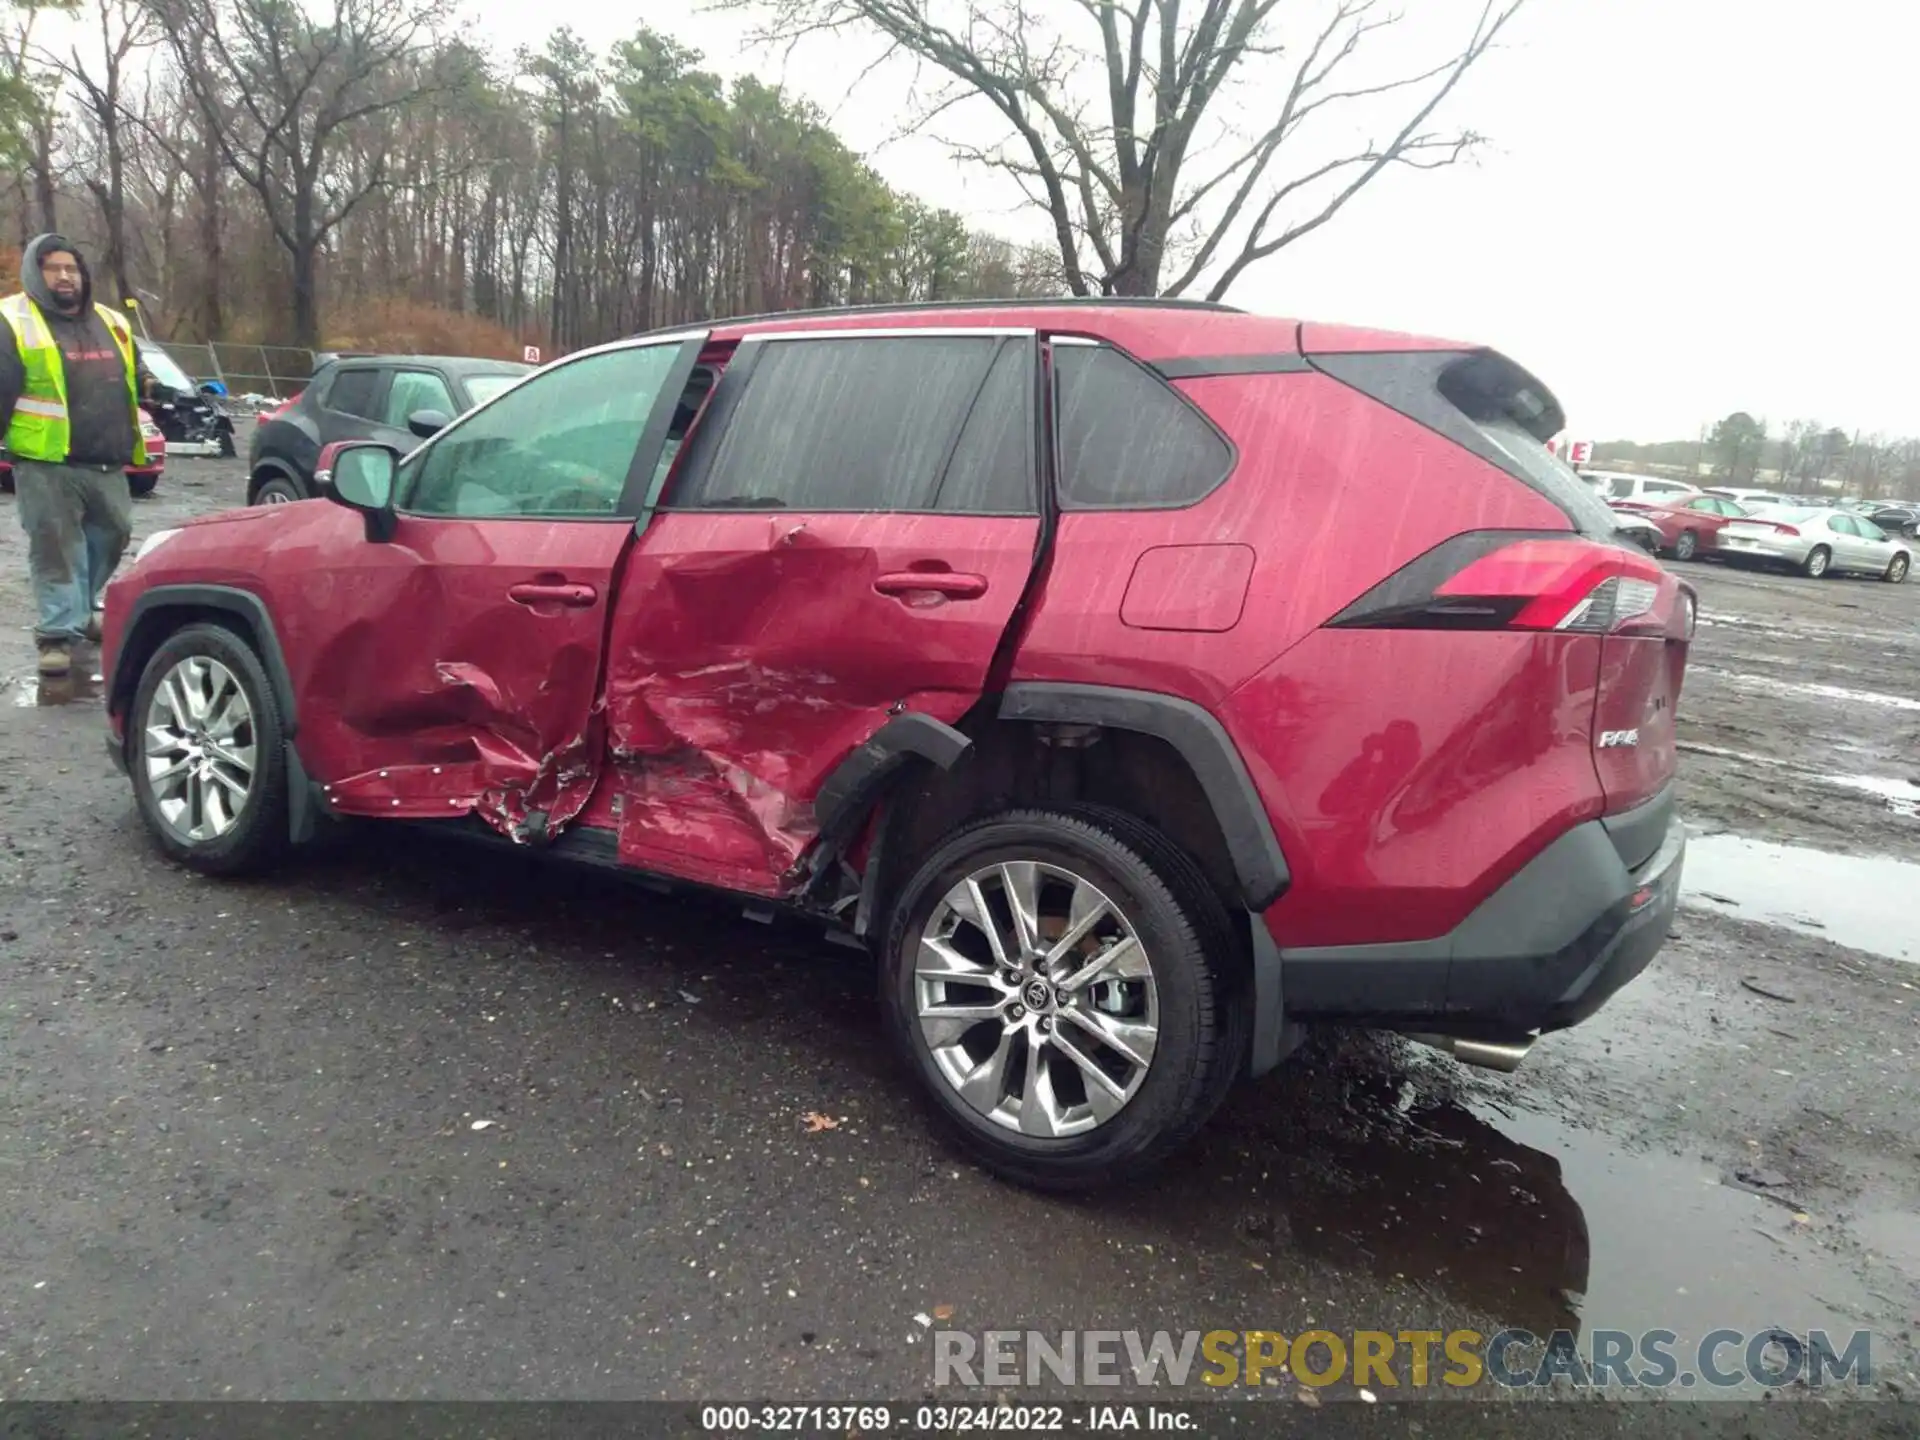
x=162, y=367
x=483, y=388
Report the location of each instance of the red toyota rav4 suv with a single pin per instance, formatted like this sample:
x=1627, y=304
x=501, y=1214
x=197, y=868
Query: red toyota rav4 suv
x=1140, y=680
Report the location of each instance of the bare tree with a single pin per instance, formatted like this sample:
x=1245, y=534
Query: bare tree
x=1150, y=171
x=283, y=89
x=123, y=28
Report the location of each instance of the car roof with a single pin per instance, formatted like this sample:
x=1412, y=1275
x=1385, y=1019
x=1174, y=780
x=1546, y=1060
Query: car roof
x=1152, y=328
x=460, y=364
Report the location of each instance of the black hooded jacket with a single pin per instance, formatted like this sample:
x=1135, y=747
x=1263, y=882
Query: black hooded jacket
x=97, y=411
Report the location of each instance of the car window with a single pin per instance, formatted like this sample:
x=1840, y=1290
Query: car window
x=482, y=388
x=1622, y=487
x=841, y=424
x=1706, y=503
x=991, y=471
x=561, y=444
x=1869, y=529
x=352, y=392
x=1126, y=439
x=413, y=390
x=1843, y=523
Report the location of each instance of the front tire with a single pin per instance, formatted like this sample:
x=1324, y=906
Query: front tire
x=1897, y=570
x=1064, y=985
x=278, y=491
x=205, y=749
x=1817, y=562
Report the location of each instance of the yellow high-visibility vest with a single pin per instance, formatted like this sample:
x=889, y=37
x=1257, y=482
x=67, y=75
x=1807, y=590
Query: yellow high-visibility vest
x=40, y=429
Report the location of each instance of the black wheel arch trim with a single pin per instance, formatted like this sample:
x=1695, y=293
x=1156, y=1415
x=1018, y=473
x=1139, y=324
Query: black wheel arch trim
x=1258, y=861
x=856, y=782
x=229, y=600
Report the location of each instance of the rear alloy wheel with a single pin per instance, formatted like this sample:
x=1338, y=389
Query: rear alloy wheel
x=1056, y=981
x=1686, y=546
x=277, y=491
x=1818, y=562
x=1897, y=570
x=204, y=751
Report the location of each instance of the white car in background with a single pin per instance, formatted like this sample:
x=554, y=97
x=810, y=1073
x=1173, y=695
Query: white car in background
x=1750, y=499
x=1619, y=485
x=1817, y=542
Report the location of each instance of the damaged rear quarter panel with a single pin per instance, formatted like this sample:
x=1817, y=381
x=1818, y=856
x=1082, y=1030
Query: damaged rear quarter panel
x=750, y=652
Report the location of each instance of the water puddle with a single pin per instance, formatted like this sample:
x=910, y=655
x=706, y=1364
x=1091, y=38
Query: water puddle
x=1377, y=1164
x=29, y=691
x=1865, y=902
x=1675, y=1248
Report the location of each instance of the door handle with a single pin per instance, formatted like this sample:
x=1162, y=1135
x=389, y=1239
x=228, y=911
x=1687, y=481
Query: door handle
x=576, y=596
x=940, y=582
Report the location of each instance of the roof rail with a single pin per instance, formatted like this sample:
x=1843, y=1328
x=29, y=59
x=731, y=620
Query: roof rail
x=912, y=307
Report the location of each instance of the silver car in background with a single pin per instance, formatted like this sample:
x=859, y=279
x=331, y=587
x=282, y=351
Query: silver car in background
x=1817, y=543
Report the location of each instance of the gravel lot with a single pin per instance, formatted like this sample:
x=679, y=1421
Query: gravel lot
x=239, y=1154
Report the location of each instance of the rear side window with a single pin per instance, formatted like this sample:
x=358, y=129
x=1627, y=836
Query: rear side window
x=351, y=393
x=1486, y=404
x=1127, y=441
x=850, y=424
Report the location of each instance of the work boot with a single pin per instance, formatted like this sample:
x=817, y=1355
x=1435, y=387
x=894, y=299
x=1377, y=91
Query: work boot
x=55, y=658
x=92, y=631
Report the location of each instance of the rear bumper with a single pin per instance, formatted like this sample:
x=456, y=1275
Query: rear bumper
x=1543, y=952
x=1741, y=547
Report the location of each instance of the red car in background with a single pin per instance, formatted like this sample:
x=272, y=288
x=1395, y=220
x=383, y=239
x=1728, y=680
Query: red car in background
x=1687, y=524
x=140, y=478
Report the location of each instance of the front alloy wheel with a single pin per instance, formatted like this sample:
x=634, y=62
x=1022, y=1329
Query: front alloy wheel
x=205, y=752
x=199, y=749
x=1036, y=999
x=1069, y=991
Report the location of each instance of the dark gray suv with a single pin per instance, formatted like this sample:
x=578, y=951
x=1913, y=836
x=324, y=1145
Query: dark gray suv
x=397, y=400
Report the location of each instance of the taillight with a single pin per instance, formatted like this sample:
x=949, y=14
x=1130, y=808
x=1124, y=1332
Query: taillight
x=1514, y=580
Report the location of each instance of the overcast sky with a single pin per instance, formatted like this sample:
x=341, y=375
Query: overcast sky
x=1687, y=206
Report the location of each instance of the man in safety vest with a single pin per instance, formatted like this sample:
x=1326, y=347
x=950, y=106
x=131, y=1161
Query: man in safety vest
x=71, y=383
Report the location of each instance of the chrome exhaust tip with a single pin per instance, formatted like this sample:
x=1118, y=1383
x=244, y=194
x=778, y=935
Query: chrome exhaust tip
x=1486, y=1054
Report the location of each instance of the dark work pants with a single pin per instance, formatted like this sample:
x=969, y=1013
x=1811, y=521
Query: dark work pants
x=78, y=520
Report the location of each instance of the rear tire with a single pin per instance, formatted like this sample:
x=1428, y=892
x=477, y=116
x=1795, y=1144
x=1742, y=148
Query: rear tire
x=1897, y=570
x=1818, y=562
x=1010, y=1082
x=1687, y=546
x=208, y=765
x=142, y=485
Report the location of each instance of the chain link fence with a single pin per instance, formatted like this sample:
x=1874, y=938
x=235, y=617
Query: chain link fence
x=274, y=371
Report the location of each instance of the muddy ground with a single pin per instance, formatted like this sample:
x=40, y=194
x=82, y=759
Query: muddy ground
x=238, y=1154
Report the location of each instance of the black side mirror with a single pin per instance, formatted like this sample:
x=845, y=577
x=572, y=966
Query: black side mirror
x=428, y=422
x=359, y=474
